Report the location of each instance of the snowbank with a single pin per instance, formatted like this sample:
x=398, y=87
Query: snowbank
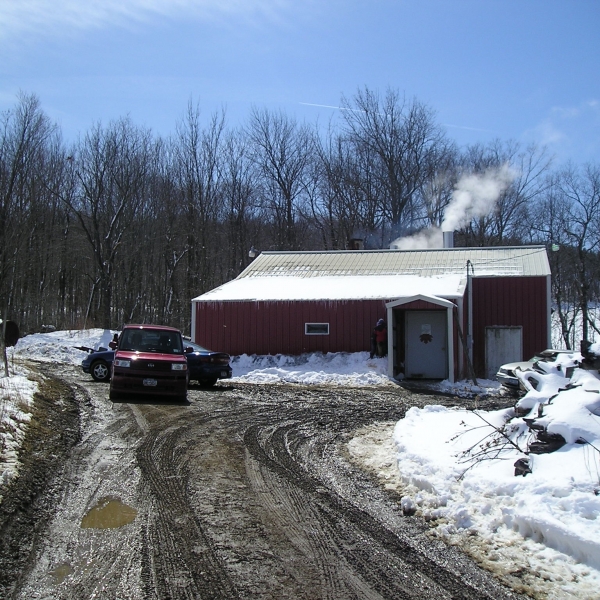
x=459, y=469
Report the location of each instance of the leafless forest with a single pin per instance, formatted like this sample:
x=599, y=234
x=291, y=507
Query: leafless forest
x=125, y=226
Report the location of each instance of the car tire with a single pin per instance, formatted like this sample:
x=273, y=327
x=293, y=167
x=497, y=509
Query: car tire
x=100, y=371
x=208, y=382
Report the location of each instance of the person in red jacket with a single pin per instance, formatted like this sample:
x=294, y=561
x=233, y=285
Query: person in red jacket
x=379, y=339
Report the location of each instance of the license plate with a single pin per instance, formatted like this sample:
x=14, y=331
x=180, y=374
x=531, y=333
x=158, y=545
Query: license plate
x=150, y=382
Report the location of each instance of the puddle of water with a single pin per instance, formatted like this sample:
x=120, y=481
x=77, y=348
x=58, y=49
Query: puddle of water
x=61, y=573
x=109, y=513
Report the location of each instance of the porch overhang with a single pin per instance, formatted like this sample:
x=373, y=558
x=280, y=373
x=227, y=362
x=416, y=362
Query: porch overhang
x=423, y=297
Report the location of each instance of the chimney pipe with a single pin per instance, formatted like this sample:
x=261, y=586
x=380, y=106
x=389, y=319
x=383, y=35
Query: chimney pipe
x=448, y=239
x=356, y=244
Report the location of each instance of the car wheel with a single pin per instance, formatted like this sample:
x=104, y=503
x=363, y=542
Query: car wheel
x=208, y=382
x=100, y=371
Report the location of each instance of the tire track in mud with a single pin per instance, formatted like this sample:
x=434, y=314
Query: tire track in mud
x=176, y=551
x=290, y=511
x=345, y=535
x=324, y=540
x=330, y=546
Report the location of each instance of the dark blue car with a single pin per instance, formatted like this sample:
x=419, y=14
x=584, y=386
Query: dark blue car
x=98, y=364
x=204, y=366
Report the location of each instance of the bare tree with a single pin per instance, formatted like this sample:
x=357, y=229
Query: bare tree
x=196, y=154
x=281, y=152
x=26, y=134
x=240, y=207
x=345, y=202
x=404, y=143
x=108, y=183
x=567, y=218
x=547, y=222
x=581, y=189
x=436, y=192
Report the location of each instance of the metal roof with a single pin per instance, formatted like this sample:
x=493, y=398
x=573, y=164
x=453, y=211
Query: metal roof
x=521, y=261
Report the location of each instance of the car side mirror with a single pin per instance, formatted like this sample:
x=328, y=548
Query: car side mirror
x=188, y=349
x=112, y=345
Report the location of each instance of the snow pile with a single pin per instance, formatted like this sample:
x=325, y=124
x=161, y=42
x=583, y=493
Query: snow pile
x=473, y=473
x=335, y=368
x=16, y=400
x=61, y=346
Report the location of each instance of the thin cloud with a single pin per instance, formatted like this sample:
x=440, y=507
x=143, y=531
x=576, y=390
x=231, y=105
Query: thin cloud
x=585, y=110
x=565, y=127
x=52, y=17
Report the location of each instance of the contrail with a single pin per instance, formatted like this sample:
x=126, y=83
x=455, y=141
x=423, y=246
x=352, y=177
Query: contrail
x=469, y=128
x=329, y=106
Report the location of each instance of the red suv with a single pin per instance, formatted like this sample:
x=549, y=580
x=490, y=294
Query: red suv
x=149, y=359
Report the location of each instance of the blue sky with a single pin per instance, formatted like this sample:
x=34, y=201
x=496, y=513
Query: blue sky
x=526, y=70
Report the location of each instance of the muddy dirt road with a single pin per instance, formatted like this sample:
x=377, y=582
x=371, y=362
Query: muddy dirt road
x=244, y=492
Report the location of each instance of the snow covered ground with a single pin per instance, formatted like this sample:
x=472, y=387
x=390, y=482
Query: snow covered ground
x=454, y=467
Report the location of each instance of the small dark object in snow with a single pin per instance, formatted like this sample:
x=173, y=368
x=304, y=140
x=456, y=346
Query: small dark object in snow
x=546, y=443
x=533, y=425
x=591, y=360
x=522, y=467
x=11, y=333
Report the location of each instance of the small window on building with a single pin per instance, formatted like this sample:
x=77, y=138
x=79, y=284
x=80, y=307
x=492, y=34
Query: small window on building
x=316, y=328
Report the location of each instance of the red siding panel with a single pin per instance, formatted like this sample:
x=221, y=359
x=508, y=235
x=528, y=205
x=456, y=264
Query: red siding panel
x=278, y=327
x=509, y=301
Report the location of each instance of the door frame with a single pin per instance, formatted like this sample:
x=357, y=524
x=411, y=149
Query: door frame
x=449, y=306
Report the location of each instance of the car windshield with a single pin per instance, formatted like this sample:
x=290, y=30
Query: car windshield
x=151, y=340
x=196, y=347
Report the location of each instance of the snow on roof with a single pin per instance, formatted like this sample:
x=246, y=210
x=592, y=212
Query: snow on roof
x=352, y=287
x=375, y=274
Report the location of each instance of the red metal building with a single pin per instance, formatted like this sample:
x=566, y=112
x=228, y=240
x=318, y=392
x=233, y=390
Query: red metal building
x=445, y=308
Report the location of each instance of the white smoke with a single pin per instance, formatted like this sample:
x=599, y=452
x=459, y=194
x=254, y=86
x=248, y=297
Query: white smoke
x=474, y=196
x=428, y=238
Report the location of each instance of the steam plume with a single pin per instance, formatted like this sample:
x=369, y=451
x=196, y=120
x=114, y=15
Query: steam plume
x=474, y=196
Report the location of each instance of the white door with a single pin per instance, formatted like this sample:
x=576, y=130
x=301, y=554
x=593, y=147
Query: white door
x=426, y=344
x=502, y=345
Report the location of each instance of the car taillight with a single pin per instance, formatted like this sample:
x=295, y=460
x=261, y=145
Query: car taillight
x=215, y=360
